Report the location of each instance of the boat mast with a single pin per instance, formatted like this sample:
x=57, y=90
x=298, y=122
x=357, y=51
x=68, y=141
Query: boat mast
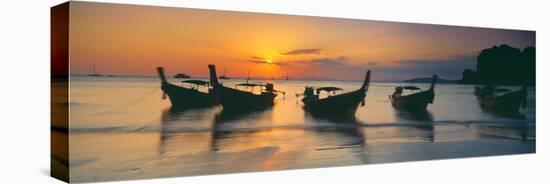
x=286, y=75
x=248, y=76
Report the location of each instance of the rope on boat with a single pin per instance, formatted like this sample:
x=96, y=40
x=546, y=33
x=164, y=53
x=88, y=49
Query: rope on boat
x=137, y=100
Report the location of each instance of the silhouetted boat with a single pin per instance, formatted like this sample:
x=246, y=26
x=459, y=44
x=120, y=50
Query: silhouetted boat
x=182, y=97
x=224, y=76
x=181, y=76
x=500, y=99
x=94, y=74
x=342, y=105
x=413, y=102
x=237, y=100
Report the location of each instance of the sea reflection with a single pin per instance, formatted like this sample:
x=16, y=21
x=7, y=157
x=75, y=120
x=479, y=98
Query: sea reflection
x=421, y=116
x=184, y=128
x=285, y=146
x=524, y=131
x=226, y=124
x=149, y=139
x=345, y=133
x=421, y=121
x=509, y=115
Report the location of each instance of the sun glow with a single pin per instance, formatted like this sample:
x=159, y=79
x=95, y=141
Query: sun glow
x=269, y=61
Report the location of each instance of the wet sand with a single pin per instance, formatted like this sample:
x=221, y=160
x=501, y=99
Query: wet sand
x=149, y=154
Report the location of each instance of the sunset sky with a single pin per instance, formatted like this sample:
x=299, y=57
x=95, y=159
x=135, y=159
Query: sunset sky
x=133, y=40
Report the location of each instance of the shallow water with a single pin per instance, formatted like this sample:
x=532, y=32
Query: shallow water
x=121, y=129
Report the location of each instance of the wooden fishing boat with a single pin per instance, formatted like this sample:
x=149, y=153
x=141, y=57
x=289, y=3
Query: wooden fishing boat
x=240, y=100
x=182, y=97
x=500, y=99
x=341, y=105
x=415, y=102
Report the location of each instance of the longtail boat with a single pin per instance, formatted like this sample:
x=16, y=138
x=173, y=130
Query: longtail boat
x=182, y=97
x=239, y=100
x=501, y=99
x=341, y=105
x=415, y=102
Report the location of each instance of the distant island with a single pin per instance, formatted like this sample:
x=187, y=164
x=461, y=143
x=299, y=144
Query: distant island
x=182, y=76
x=429, y=80
x=317, y=79
x=502, y=65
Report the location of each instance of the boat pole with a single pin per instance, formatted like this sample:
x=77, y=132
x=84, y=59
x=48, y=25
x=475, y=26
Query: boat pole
x=160, y=71
x=213, y=75
x=366, y=81
x=434, y=80
x=365, y=86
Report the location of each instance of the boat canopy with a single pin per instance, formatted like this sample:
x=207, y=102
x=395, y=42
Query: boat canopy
x=329, y=89
x=196, y=82
x=410, y=88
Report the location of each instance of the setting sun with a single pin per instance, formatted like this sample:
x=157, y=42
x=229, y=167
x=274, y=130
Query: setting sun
x=268, y=61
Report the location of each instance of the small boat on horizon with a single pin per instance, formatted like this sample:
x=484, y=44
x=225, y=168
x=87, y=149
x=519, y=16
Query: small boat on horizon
x=182, y=76
x=224, y=76
x=339, y=106
x=94, y=74
x=415, y=102
x=182, y=97
x=286, y=78
x=242, y=100
x=501, y=100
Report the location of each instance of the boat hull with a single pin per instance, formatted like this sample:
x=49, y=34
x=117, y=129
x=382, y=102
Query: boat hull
x=415, y=102
x=181, y=97
x=339, y=106
x=342, y=106
x=237, y=100
x=507, y=103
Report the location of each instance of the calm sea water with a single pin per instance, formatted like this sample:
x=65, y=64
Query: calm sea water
x=121, y=129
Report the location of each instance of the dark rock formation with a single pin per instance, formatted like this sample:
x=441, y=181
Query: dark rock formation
x=502, y=65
